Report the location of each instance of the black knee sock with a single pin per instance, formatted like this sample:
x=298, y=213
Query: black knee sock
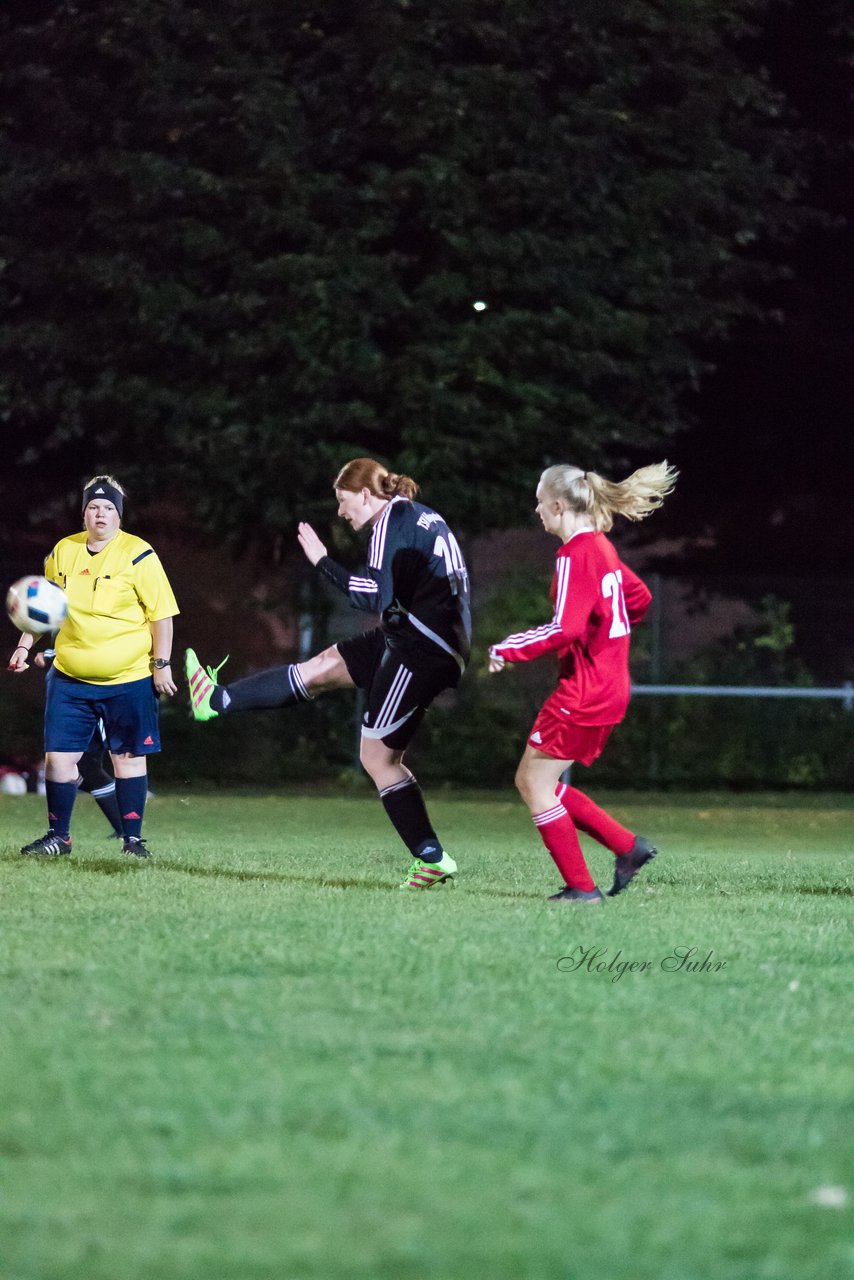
x=131, y=794
x=404, y=804
x=102, y=787
x=278, y=687
x=60, y=801
x=109, y=805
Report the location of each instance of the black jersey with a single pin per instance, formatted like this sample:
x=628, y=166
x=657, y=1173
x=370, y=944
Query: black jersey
x=415, y=577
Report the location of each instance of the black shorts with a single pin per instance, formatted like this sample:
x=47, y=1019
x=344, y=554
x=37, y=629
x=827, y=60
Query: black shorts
x=401, y=680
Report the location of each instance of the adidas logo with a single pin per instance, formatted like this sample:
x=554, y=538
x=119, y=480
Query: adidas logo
x=536, y=737
x=99, y=490
x=84, y=573
x=148, y=742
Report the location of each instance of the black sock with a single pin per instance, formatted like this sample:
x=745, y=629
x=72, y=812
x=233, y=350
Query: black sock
x=109, y=805
x=404, y=804
x=278, y=687
x=60, y=801
x=101, y=786
x=131, y=793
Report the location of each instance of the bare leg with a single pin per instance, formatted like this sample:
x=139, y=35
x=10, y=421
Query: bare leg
x=383, y=764
x=327, y=670
x=127, y=766
x=61, y=766
x=536, y=779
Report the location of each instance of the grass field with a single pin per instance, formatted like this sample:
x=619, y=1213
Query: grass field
x=255, y=1057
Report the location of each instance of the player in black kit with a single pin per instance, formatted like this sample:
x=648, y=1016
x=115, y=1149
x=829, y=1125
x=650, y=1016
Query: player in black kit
x=416, y=579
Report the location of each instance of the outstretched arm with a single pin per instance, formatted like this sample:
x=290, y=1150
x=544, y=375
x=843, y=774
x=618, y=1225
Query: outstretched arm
x=364, y=590
x=572, y=607
x=310, y=543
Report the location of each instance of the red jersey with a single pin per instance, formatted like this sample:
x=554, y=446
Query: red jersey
x=597, y=601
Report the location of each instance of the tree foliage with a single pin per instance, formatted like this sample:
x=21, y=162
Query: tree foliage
x=243, y=242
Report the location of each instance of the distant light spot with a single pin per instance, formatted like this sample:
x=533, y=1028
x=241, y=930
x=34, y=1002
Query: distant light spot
x=479, y=306
x=829, y=1197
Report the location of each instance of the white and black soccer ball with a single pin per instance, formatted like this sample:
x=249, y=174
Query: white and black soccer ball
x=35, y=605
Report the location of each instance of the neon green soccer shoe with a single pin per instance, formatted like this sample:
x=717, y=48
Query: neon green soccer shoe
x=202, y=682
x=424, y=875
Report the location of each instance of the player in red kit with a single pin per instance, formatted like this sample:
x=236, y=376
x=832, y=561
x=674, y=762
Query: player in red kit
x=597, y=600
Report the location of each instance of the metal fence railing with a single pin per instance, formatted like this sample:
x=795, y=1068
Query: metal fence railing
x=845, y=694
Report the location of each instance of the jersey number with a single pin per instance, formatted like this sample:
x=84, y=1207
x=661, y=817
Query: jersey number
x=612, y=589
x=449, y=550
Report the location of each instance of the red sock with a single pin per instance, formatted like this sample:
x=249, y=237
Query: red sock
x=558, y=834
x=595, y=822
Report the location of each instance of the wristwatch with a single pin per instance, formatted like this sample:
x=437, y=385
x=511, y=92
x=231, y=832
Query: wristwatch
x=157, y=664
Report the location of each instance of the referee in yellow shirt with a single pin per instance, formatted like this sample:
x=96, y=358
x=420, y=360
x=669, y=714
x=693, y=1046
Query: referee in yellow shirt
x=112, y=662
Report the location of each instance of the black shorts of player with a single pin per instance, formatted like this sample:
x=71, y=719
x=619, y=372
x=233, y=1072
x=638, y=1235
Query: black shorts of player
x=400, y=679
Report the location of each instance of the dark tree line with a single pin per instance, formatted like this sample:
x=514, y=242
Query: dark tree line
x=242, y=242
x=772, y=451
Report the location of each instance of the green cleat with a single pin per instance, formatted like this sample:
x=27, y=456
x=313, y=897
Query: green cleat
x=202, y=682
x=424, y=875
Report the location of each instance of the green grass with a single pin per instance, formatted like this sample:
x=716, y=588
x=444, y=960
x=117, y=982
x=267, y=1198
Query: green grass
x=255, y=1057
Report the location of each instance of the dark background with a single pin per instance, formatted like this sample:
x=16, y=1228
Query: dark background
x=769, y=462
x=238, y=249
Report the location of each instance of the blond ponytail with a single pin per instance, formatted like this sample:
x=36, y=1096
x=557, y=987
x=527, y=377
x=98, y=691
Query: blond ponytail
x=588, y=493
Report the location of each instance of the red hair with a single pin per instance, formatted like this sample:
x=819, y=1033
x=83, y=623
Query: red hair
x=366, y=473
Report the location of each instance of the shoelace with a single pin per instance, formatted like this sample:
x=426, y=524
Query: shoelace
x=213, y=672
x=53, y=844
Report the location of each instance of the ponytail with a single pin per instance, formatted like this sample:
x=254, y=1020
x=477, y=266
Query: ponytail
x=394, y=486
x=586, y=492
x=366, y=473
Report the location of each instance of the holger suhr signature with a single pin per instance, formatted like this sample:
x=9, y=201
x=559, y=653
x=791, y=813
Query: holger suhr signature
x=678, y=960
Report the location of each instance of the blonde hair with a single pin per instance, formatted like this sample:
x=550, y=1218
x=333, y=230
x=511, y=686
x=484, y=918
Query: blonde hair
x=106, y=480
x=590, y=494
x=366, y=473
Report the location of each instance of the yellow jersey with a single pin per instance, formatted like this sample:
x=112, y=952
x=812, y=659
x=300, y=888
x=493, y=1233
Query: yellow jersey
x=112, y=597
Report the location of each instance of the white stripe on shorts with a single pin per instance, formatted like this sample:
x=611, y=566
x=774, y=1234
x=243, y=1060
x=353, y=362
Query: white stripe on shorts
x=394, y=697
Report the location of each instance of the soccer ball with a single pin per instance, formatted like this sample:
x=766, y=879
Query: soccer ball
x=36, y=605
x=12, y=784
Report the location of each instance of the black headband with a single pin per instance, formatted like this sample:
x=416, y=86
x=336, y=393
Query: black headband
x=103, y=489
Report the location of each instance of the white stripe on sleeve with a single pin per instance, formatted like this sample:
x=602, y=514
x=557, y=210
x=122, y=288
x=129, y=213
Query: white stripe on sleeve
x=562, y=586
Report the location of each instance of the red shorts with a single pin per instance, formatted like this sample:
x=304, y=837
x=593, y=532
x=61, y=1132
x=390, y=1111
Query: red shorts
x=555, y=735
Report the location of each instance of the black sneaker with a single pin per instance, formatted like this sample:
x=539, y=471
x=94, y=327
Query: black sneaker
x=593, y=896
x=629, y=864
x=135, y=846
x=49, y=846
